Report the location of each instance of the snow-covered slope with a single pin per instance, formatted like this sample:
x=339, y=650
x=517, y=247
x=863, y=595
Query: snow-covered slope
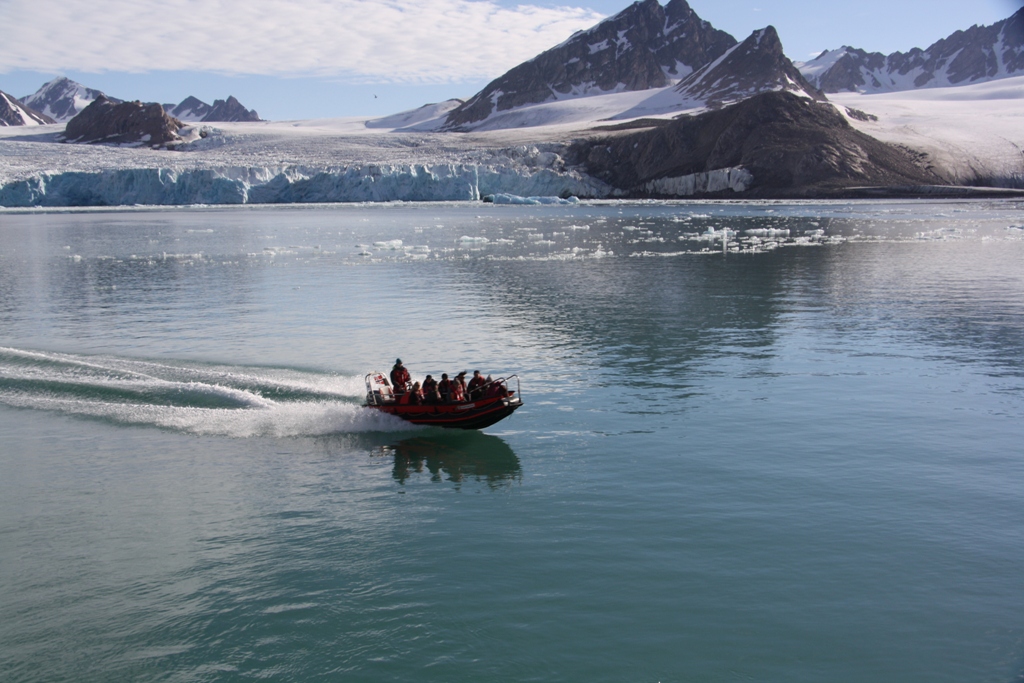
x=972, y=134
x=62, y=98
x=979, y=54
x=14, y=113
x=426, y=118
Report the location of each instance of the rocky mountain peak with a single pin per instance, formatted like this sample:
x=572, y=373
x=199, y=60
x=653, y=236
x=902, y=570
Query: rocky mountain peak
x=189, y=109
x=62, y=99
x=756, y=65
x=645, y=46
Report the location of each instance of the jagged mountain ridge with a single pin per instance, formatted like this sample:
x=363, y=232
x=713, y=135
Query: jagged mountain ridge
x=62, y=99
x=980, y=53
x=14, y=113
x=193, y=109
x=645, y=46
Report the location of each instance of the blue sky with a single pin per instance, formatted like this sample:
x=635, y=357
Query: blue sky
x=326, y=58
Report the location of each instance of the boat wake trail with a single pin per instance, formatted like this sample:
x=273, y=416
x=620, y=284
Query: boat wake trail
x=238, y=401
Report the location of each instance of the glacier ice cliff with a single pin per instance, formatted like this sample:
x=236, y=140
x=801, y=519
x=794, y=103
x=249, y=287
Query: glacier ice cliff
x=293, y=184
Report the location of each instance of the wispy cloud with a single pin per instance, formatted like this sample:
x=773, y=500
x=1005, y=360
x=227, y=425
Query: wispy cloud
x=392, y=41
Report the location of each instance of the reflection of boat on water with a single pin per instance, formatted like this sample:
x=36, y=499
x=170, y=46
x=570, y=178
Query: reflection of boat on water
x=496, y=401
x=459, y=456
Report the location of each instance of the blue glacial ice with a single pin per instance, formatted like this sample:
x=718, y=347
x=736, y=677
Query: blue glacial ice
x=292, y=184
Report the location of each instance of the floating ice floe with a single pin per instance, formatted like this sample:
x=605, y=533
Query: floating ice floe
x=388, y=244
x=504, y=198
x=773, y=232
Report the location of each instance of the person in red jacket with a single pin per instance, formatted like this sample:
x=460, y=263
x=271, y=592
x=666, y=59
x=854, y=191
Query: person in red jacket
x=459, y=388
x=399, y=377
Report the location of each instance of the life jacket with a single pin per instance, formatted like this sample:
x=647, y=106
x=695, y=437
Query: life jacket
x=399, y=378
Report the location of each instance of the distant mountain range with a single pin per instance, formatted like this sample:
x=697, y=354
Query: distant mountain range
x=981, y=53
x=61, y=99
x=192, y=109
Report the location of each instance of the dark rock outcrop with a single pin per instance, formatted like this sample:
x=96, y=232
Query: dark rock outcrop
x=981, y=53
x=230, y=110
x=790, y=145
x=14, y=113
x=104, y=121
x=62, y=99
x=644, y=46
x=756, y=65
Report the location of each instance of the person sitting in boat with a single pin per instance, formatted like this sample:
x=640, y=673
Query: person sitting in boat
x=430, y=394
x=475, y=385
x=400, y=377
x=413, y=397
x=444, y=388
x=495, y=389
x=459, y=388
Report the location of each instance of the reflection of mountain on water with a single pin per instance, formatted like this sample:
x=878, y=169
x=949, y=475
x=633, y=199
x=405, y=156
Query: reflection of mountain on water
x=656, y=321
x=649, y=319
x=455, y=457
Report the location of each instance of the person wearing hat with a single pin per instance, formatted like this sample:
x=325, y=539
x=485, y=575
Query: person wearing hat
x=400, y=377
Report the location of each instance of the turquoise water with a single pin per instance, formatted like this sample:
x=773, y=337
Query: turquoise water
x=798, y=460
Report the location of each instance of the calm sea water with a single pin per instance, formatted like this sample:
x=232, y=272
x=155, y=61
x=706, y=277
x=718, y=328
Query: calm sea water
x=798, y=460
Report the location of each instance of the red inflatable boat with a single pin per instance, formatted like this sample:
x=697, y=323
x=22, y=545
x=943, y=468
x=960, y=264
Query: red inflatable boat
x=498, y=402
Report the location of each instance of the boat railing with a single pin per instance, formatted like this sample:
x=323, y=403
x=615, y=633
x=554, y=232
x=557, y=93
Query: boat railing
x=502, y=381
x=378, y=390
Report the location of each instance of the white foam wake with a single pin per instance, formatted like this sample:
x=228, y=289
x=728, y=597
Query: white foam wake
x=236, y=401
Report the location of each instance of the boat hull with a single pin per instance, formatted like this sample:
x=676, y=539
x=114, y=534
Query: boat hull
x=471, y=415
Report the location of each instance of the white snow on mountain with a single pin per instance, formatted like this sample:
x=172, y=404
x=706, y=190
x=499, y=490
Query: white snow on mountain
x=14, y=113
x=814, y=69
x=971, y=132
